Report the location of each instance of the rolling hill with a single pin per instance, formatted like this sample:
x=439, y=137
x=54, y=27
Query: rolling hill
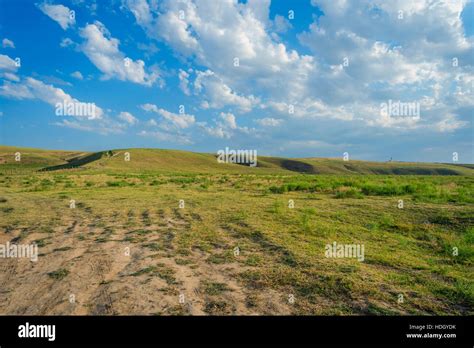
x=173, y=161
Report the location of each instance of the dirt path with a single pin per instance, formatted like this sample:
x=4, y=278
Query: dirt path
x=96, y=265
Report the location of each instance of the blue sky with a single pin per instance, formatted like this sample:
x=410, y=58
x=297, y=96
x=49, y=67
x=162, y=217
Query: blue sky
x=311, y=77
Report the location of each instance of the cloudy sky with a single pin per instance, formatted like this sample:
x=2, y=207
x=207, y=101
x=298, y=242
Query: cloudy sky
x=305, y=78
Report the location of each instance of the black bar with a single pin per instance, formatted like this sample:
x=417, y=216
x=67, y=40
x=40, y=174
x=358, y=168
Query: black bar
x=139, y=330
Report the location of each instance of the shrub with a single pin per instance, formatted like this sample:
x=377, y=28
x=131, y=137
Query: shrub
x=116, y=183
x=59, y=274
x=276, y=189
x=351, y=193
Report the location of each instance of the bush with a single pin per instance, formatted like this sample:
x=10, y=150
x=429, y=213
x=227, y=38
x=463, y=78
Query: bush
x=276, y=189
x=116, y=183
x=351, y=193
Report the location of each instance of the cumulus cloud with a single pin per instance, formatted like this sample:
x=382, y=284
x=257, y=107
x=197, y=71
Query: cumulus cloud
x=399, y=49
x=219, y=95
x=66, y=42
x=269, y=122
x=59, y=13
x=33, y=89
x=225, y=126
x=218, y=35
x=149, y=107
x=77, y=75
x=128, y=118
x=352, y=58
x=176, y=120
x=7, y=64
x=171, y=125
x=391, y=50
x=228, y=120
x=420, y=27
x=152, y=122
x=30, y=88
x=8, y=69
x=184, y=82
x=15, y=91
x=11, y=76
x=7, y=43
x=281, y=24
x=103, y=51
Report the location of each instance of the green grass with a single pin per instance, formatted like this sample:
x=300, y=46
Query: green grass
x=174, y=161
x=408, y=251
x=419, y=188
x=59, y=274
x=214, y=288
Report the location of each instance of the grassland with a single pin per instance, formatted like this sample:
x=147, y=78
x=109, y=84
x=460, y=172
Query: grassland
x=238, y=245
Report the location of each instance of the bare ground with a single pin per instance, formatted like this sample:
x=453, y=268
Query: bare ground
x=101, y=266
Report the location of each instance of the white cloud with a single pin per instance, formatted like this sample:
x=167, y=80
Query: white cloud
x=149, y=107
x=219, y=94
x=464, y=92
x=360, y=60
x=387, y=57
x=392, y=58
x=11, y=76
x=269, y=122
x=216, y=35
x=31, y=88
x=171, y=125
x=59, y=13
x=281, y=24
x=177, y=120
x=77, y=75
x=8, y=68
x=53, y=95
x=228, y=120
x=424, y=27
x=449, y=124
x=7, y=43
x=15, y=91
x=184, y=82
x=149, y=49
x=128, y=117
x=7, y=64
x=225, y=127
x=103, y=51
x=152, y=122
x=66, y=42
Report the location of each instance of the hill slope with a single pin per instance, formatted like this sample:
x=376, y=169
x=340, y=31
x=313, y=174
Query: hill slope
x=174, y=161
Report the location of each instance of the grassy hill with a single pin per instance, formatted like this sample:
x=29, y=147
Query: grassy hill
x=174, y=161
x=34, y=158
x=182, y=215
